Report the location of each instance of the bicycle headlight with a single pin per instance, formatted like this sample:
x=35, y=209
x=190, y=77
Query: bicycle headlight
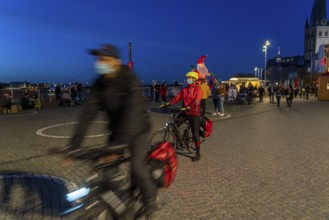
x=77, y=194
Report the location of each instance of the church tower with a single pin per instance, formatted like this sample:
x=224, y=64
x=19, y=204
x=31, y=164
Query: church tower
x=316, y=30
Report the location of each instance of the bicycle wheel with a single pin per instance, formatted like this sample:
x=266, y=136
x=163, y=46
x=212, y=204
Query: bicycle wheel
x=160, y=136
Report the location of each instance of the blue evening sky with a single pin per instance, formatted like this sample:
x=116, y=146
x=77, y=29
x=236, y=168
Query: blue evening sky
x=46, y=40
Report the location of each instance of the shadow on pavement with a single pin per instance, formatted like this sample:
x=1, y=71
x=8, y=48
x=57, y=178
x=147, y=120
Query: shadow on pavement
x=28, y=193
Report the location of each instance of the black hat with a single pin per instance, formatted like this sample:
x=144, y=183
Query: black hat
x=107, y=50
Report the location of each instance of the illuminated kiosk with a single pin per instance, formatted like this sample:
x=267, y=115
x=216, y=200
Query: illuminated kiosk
x=323, y=89
x=237, y=81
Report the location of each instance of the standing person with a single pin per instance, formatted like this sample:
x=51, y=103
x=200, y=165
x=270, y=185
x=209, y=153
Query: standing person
x=307, y=91
x=289, y=95
x=278, y=94
x=163, y=92
x=222, y=92
x=116, y=91
x=205, y=94
x=152, y=88
x=271, y=93
x=6, y=103
x=79, y=93
x=58, y=93
x=37, y=102
x=295, y=91
x=261, y=92
x=190, y=96
x=215, y=96
x=73, y=93
x=157, y=92
x=242, y=88
x=25, y=102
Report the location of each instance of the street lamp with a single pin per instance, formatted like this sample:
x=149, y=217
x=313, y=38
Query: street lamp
x=256, y=71
x=267, y=43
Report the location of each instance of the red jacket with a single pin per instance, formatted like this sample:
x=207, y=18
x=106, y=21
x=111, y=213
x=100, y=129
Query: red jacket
x=163, y=90
x=191, y=96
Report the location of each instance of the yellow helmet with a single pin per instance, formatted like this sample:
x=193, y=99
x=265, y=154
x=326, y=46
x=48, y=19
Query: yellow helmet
x=192, y=74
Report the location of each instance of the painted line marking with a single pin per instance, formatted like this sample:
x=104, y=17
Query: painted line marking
x=12, y=115
x=40, y=131
x=220, y=117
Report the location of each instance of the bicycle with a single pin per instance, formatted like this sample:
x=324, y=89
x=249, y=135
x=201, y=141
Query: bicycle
x=105, y=194
x=230, y=100
x=180, y=138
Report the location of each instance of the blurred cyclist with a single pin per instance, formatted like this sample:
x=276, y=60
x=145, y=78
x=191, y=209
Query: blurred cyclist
x=117, y=91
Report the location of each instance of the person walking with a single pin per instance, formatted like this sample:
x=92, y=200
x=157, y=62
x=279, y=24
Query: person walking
x=271, y=93
x=215, y=96
x=190, y=96
x=278, y=94
x=205, y=94
x=289, y=95
x=116, y=92
x=261, y=92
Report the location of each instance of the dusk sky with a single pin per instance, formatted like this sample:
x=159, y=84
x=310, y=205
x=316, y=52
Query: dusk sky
x=46, y=40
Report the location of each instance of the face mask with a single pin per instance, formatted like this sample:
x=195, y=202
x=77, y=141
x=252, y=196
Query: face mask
x=189, y=81
x=103, y=68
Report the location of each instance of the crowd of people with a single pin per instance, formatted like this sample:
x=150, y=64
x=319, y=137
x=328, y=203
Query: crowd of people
x=73, y=95
x=27, y=101
x=247, y=94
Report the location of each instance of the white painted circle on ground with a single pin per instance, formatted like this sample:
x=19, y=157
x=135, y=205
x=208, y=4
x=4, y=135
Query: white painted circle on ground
x=225, y=116
x=11, y=115
x=40, y=131
x=221, y=117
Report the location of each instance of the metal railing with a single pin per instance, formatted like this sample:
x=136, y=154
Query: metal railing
x=47, y=95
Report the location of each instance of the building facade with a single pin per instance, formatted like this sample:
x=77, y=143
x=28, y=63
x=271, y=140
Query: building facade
x=316, y=30
x=287, y=70
x=299, y=70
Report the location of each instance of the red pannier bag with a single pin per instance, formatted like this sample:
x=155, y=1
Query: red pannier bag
x=205, y=127
x=162, y=162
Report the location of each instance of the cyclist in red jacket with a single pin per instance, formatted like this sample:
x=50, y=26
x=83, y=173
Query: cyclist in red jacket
x=190, y=96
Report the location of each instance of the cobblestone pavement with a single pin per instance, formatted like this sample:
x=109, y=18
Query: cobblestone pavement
x=261, y=162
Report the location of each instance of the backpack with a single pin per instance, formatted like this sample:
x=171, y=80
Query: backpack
x=205, y=127
x=162, y=163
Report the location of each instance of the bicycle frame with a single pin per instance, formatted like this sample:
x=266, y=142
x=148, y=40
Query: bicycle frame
x=181, y=137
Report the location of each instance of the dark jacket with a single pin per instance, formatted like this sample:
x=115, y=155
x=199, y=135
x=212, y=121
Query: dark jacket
x=289, y=93
x=121, y=99
x=215, y=91
x=5, y=102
